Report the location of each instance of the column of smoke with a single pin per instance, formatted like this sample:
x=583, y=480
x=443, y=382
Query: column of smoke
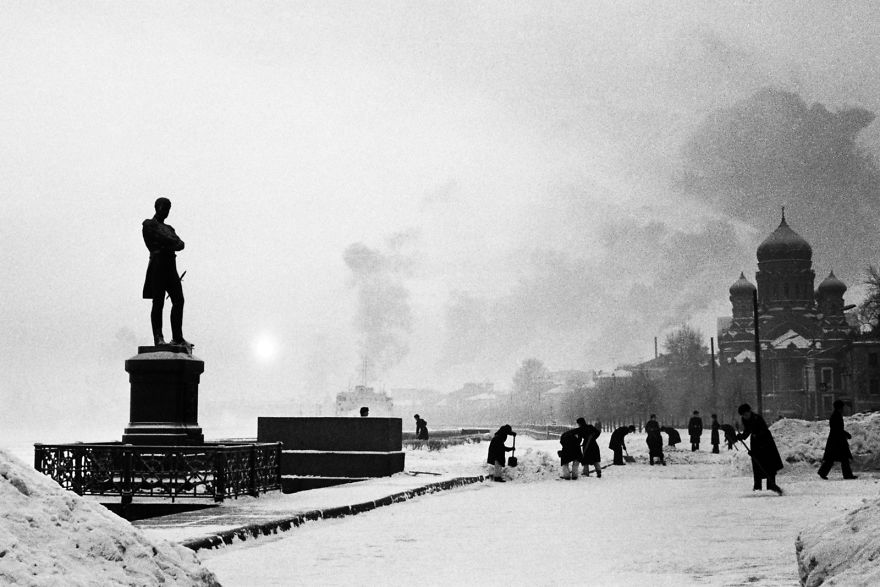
x=384, y=318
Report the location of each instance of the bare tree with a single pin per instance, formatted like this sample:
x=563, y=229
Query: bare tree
x=530, y=382
x=868, y=312
x=686, y=384
x=685, y=347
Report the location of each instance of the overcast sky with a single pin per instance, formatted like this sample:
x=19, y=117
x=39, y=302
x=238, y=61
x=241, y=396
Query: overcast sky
x=445, y=188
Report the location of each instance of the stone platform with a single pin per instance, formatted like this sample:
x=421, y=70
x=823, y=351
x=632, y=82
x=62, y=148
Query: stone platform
x=320, y=452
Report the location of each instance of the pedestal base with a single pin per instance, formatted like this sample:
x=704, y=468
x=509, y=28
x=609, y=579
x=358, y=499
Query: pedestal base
x=164, y=397
x=163, y=433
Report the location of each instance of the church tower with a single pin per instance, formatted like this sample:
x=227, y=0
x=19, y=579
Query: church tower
x=785, y=270
x=829, y=298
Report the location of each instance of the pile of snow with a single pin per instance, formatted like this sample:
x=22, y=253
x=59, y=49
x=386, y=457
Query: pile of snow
x=49, y=536
x=532, y=465
x=842, y=550
x=803, y=441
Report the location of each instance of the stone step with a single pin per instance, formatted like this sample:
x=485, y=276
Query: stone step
x=294, y=483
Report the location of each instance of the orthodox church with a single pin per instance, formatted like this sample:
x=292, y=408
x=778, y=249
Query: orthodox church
x=805, y=338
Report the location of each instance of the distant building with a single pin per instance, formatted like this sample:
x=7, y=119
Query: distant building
x=349, y=403
x=805, y=339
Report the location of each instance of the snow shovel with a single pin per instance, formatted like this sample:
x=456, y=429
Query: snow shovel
x=628, y=458
x=511, y=460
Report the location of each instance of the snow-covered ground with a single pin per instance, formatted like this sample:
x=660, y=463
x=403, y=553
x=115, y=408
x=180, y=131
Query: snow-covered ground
x=694, y=521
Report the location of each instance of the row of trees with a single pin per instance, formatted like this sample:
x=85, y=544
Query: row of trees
x=673, y=385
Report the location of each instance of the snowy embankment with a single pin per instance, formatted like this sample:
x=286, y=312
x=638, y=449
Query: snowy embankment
x=843, y=549
x=49, y=536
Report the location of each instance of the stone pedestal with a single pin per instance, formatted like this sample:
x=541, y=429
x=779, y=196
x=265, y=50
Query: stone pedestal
x=164, y=396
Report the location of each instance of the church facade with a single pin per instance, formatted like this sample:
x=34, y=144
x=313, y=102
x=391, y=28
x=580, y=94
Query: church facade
x=808, y=347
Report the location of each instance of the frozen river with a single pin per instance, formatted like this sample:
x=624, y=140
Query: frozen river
x=694, y=522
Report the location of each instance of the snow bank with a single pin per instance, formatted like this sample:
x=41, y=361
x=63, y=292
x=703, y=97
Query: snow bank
x=842, y=550
x=532, y=465
x=49, y=536
x=803, y=441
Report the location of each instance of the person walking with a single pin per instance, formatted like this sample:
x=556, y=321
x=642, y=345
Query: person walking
x=715, y=437
x=766, y=461
x=592, y=455
x=497, y=450
x=617, y=443
x=837, y=447
x=695, y=429
x=654, y=440
x=570, y=454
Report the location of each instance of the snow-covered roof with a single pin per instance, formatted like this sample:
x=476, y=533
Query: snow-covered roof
x=788, y=339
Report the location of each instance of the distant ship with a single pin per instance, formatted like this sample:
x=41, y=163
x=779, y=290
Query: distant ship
x=349, y=403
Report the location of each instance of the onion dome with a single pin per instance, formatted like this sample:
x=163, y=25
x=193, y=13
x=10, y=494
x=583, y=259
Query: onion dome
x=742, y=286
x=784, y=243
x=832, y=285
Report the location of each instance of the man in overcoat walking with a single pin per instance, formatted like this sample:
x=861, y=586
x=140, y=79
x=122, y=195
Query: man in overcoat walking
x=837, y=447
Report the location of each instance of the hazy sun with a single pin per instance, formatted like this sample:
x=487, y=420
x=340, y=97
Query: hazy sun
x=265, y=347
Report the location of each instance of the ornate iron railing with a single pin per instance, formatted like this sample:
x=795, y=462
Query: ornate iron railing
x=213, y=471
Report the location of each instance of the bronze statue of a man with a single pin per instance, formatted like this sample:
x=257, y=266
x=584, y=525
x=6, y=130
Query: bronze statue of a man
x=162, y=277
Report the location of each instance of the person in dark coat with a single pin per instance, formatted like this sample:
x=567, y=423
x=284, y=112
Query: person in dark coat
x=592, y=455
x=695, y=430
x=421, y=428
x=497, y=450
x=571, y=454
x=837, y=447
x=729, y=435
x=672, y=433
x=654, y=440
x=715, y=438
x=617, y=443
x=766, y=461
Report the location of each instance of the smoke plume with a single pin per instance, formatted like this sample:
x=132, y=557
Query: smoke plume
x=384, y=316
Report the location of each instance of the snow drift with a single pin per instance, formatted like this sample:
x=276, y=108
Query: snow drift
x=843, y=550
x=50, y=536
x=803, y=441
